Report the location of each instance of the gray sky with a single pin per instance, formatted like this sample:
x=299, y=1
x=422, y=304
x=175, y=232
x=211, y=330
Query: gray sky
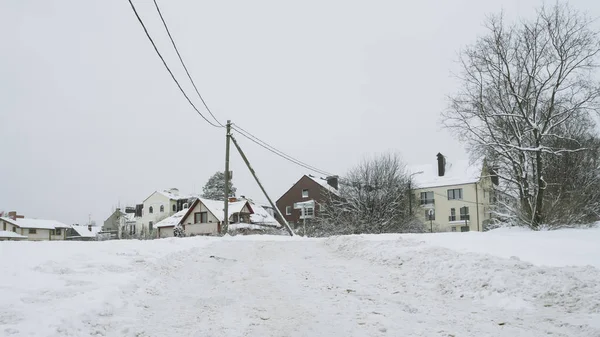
x=89, y=116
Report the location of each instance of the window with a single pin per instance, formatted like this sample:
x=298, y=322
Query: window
x=288, y=210
x=200, y=217
x=455, y=194
x=150, y=210
x=185, y=206
x=430, y=215
x=57, y=231
x=3, y=226
x=452, y=216
x=162, y=208
x=174, y=208
x=304, y=193
x=15, y=229
x=427, y=198
x=308, y=212
x=464, y=213
x=32, y=231
x=454, y=229
x=151, y=225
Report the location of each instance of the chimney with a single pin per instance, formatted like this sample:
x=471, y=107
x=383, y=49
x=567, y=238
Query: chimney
x=441, y=164
x=232, y=199
x=333, y=181
x=13, y=215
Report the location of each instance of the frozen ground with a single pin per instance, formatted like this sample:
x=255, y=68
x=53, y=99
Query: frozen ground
x=503, y=283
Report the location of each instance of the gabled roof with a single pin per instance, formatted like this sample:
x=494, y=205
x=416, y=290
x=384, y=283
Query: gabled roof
x=457, y=172
x=170, y=195
x=320, y=181
x=216, y=207
x=36, y=223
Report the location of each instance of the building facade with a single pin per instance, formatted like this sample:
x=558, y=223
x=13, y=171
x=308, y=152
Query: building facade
x=452, y=196
x=302, y=201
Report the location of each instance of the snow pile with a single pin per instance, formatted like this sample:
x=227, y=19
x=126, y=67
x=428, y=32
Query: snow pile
x=370, y=285
x=508, y=284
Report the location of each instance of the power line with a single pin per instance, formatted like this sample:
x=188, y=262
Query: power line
x=183, y=63
x=281, y=154
x=242, y=132
x=165, y=64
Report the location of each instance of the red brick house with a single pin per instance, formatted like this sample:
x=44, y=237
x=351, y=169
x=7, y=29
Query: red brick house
x=311, y=191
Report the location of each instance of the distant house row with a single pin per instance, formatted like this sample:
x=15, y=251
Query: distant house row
x=18, y=227
x=160, y=212
x=446, y=196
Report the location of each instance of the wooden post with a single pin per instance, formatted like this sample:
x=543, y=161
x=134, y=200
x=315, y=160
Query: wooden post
x=287, y=226
x=226, y=201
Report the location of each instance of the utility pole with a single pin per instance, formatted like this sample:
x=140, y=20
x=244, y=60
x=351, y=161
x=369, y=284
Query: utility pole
x=287, y=226
x=226, y=201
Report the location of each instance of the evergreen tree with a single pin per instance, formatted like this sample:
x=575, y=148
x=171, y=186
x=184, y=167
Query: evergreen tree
x=215, y=187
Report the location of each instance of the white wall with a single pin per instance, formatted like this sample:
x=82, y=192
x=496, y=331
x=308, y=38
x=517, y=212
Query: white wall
x=202, y=228
x=475, y=197
x=155, y=201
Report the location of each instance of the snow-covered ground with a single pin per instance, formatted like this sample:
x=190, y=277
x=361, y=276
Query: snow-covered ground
x=500, y=283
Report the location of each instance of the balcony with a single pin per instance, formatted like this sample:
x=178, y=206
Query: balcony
x=463, y=217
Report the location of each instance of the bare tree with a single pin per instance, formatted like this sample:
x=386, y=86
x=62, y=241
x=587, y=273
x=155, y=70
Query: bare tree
x=373, y=199
x=520, y=86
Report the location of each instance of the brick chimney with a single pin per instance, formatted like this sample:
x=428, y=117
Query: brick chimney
x=13, y=215
x=441, y=164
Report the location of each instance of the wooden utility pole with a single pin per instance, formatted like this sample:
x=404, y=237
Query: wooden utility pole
x=226, y=201
x=287, y=226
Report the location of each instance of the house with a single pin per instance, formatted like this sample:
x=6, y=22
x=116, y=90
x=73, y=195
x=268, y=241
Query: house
x=159, y=206
x=83, y=232
x=452, y=196
x=120, y=222
x=33, y=229
x=302, y=201
x=205, y=217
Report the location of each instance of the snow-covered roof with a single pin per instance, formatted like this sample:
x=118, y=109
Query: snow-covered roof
x=457, y=172
x=11, y=235
x=323, y=182
x=216, y=207
x=173, y=220
x=36, y=223
x=87, y=231
x=261, y=216
x=174, y=195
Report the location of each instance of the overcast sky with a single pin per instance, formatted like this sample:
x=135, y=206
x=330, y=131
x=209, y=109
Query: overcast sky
x=90, y=118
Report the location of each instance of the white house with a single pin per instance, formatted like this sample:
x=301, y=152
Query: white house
x=452, y=196
x=159, y=206
x=34, y=229
x=204, y=217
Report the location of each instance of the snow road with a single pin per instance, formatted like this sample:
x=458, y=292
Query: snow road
x=276, y=286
